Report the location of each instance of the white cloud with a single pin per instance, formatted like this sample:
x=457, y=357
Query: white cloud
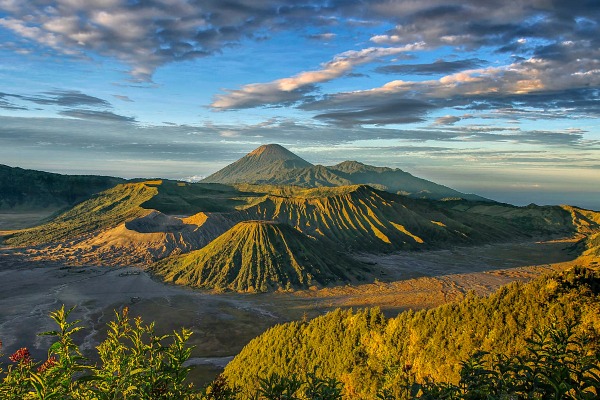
x=293, y=88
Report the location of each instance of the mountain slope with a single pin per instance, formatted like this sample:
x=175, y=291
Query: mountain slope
x=274, y=165
x=24, y=189
x=397, y=181
x=365, y=219
x=267, y=160
x=127, y=202
x=146, y=239
x=257, y=256
x=104, y=210
x=367, y=352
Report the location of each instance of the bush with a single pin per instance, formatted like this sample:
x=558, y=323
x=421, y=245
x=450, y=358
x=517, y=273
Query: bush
x=558, y=365
x=134, y=363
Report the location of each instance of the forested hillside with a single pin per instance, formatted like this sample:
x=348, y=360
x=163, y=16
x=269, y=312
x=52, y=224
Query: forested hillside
x=369, y=353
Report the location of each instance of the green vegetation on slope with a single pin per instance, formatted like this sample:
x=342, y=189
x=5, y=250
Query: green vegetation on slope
x=365, y=219
x=134, y=363
x=181, y=198
x=24, y=189
x=104, y=210
x=257, y=256
x=368, y=353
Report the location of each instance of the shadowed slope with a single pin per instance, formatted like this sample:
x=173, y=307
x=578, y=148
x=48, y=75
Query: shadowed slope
x=397, y=181
x=24, y=189
x=257, y=256
x=265, y=161
x=309, y=177
x=274, y=165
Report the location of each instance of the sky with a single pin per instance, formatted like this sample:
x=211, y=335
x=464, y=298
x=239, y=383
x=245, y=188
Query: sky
x=491, y=97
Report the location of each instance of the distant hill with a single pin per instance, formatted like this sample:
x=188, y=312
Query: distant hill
x=24, y=189
x=103, y=210
x=272, y=164
x=257, y=256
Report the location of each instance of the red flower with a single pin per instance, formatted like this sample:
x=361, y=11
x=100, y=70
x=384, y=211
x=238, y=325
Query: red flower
x=21, y=355
x=49, y=363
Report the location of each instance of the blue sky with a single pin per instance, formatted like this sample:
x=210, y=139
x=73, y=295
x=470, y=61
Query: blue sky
x=502, y=100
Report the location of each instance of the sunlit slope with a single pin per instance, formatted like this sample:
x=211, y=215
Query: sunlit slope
x=104, y=210
x=24, y=189
x=368, y=352
x=257, y=256
x=588, y=225
x=149, y=238
x=586, y=221
x=365, y=219
x=130, y=201
x=533, y=219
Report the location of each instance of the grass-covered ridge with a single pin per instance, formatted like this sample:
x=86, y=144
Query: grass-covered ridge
x=369, y=353
x=362, y=218
x=257, y=256
x=104, y=210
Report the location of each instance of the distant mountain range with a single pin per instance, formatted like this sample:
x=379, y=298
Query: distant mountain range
x=257, y=236
x=273, y=164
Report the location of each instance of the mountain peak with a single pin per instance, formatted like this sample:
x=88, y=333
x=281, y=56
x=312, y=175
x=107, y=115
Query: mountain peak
x=272, y=149
x=267, y=259
x=351, y=167
x=262, y=162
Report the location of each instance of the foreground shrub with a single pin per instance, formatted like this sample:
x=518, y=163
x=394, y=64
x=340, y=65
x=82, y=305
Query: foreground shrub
x=135, y=363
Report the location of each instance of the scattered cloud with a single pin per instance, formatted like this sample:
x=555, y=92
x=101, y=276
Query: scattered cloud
x=532, y=85
x=8, y=105
x=437, y=67
x=290, y=90
x=325, y=37
x=446, y=120
x=67, y=98
x=148, y=34
x=401, y=111
x=123, y=98
x=96, y=115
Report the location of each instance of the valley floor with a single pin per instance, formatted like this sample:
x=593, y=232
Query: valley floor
x=224, y=323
